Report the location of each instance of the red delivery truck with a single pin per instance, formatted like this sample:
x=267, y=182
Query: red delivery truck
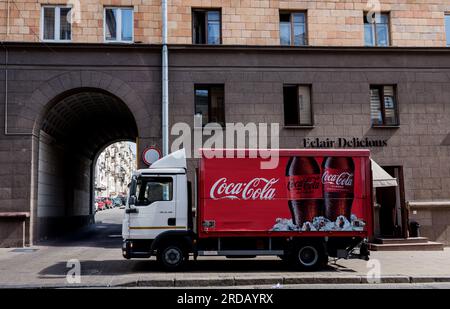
x=311, y=205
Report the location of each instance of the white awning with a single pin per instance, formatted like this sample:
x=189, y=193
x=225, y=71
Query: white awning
x=380, y=177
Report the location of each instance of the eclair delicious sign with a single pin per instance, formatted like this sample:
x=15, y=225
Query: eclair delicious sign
x=341, y=142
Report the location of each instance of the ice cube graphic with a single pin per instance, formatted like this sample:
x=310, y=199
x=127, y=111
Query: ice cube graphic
x=342, y=224
x=320, y=223
x=284, y=225
x=357, y=224
x=308, y=227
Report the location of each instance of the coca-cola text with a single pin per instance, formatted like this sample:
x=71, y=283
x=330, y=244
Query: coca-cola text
x=255, y=189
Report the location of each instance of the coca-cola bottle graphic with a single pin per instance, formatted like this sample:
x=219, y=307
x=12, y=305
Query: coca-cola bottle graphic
x=337, y=180
x=304, y=187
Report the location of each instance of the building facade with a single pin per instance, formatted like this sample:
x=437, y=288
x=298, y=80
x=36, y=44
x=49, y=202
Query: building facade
x=78, y=76
x=113, y=170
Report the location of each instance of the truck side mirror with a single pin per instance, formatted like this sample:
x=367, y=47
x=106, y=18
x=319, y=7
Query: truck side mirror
x=132, y=200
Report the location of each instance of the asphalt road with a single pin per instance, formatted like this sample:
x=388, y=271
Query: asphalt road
x=97, y=249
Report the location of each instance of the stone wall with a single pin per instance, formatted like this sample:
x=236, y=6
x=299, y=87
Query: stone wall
x=244, y=22
x=340, y=80
x=434, y=219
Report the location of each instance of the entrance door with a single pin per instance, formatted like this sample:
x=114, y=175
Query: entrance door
x=392, y=216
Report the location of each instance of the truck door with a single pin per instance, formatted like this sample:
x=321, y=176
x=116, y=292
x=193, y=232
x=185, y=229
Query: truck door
x=155, y=207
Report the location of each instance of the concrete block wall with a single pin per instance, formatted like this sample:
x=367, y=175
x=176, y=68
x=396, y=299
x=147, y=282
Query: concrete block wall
x=434, y=219
x=244, y=22
x=51, y=182
x=341, y=104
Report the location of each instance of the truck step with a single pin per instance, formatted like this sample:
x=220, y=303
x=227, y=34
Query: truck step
x=409, y=240
x=428, y=246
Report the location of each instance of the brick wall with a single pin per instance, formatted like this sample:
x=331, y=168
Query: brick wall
x=24, y=23
x=247, y=22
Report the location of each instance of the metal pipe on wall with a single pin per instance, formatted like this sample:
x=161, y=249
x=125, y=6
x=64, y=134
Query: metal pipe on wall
x=165, y=82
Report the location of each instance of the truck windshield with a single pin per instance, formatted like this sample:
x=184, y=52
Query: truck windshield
x=153, y=189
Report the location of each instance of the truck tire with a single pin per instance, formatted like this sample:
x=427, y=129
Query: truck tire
x=172, y=257
x=308, y=256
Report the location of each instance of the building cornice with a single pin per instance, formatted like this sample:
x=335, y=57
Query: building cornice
x=228, y=48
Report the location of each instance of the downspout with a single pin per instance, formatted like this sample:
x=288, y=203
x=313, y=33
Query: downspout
x=165, y=82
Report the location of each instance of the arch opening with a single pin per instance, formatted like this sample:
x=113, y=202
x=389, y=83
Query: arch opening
x=73, y=131
x=114, y=166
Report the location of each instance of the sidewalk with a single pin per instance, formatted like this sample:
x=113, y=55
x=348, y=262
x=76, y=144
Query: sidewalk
x=103, y=266
x=98, y=248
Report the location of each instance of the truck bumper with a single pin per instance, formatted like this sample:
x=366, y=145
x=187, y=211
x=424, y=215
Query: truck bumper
x=136, y=248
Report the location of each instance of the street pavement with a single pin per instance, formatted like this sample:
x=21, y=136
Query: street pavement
x=98, y=250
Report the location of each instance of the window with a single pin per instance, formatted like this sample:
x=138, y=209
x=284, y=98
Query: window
x=209, y=103
x=153, y=189
x=447, y=29
x=383, y=106
x=55, y=25
x=297, y=105
x=376, y=30
x=206, y=26
x=293, y=28
x=118, y=24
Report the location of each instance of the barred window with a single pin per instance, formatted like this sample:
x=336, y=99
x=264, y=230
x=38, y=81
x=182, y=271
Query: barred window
x=383, y=106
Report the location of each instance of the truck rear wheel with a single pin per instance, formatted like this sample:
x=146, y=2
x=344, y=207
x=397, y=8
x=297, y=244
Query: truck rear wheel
x=309, y=256
x=172, y=257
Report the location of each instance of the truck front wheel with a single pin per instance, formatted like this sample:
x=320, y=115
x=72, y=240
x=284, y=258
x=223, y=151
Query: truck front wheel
x=172, y=257
x=309, y=256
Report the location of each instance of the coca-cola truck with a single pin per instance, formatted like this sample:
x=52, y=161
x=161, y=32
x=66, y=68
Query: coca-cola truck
x=309, y=206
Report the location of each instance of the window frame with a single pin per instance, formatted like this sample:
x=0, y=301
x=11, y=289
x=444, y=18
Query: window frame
x=380, y=88
x=140, y=204
x=205, y=21
x=119, y=24
x=374, y=30
x=57, y=23
x=291, y=23
x=208, y=87
x=447, y=35
x=299, y=124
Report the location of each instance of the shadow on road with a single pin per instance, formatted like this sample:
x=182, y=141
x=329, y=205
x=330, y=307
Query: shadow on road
x=124, y=267
x=102, y=235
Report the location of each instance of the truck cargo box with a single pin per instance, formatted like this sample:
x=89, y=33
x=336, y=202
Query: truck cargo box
x=308, y=193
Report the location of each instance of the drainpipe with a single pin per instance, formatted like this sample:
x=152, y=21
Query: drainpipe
x=165, y=82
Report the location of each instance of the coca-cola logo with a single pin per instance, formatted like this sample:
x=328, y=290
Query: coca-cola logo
x=344, y=179
x=255, y=189
x=304, y=184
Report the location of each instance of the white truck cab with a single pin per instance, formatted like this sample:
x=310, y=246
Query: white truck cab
x=157, y=205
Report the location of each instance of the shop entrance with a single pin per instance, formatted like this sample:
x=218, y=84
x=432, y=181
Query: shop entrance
x=392, y=215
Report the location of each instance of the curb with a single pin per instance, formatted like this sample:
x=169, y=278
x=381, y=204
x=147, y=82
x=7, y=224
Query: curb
x=245, y=281
x=241, y=281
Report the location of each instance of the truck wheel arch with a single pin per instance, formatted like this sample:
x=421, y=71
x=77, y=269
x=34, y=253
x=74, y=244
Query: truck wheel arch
x=185, y=238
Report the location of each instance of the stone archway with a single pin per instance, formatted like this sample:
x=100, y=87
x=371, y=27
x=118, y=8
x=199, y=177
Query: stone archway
x=51, y=103
x=78, y=123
